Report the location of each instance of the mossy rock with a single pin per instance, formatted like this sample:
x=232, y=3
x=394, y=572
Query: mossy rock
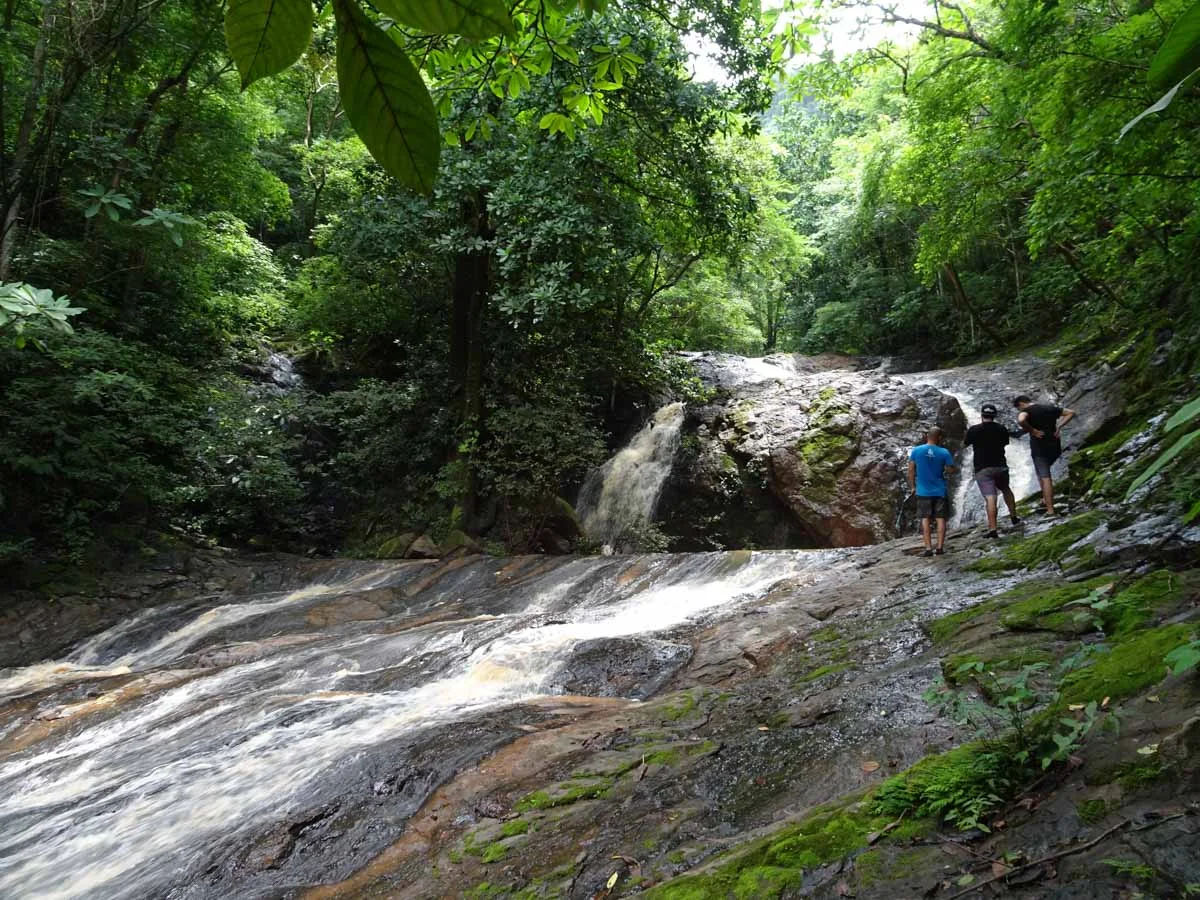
x=1049, y=546
x=826, y=451
x=905, y=870
x=1023, y=608
x=1133, y=665
x=460, y=542
x=395, y=547
x=565, y=794
x=774, y=866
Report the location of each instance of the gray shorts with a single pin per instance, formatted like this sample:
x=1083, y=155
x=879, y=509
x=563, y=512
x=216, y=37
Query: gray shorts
x=992, y=480
x=933, y=507
x=1041, y=465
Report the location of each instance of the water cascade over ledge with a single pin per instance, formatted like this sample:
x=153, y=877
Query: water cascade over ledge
x=622, y=493
x=158, y=747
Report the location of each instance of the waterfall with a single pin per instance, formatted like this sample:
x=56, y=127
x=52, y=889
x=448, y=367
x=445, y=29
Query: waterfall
x=623, y=492
x=220, y=723
x=971, y=392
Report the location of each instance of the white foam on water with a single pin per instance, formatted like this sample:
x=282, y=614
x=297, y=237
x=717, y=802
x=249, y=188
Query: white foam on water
x=129, y=805
x=625, y=490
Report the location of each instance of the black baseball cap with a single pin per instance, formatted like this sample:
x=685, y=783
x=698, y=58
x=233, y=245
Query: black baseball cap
x=989, y=409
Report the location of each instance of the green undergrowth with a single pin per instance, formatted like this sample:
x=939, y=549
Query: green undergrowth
x=1048, y=546
x=961, y=785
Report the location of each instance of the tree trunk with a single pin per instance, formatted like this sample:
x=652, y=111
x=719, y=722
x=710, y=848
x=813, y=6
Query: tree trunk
x=13, y=183
x=472, y=284
x=965, y=302
x=1099, y=288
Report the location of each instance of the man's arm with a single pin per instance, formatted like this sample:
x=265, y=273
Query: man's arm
x=1067, y=416
x=1023, y=421
x=912, y=476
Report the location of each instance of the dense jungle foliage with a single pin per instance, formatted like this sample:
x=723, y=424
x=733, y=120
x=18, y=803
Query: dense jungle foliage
x=468, y=350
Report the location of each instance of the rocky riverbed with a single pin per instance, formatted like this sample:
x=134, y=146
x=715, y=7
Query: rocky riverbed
x=817, y=722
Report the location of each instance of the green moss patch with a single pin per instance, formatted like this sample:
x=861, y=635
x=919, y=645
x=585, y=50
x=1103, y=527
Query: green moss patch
x=1150, y=597
x=1049, y=546
x=1131, y=666
x=1021, y=609
x=775, y=865
x=893, y=864
x=1092, y=811
x=564, y=795
x=513, y=828
x=821, y=672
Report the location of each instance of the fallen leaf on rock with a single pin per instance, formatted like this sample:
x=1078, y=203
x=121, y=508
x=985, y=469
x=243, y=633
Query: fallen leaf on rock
x=999, y=870
x=870, y=766
x=1148, y=750
x=1075, y=707
x=843, y=889
x=1026, y=803
x=612, y=880
x=999, y=825
x=1104, y=703
x=1153, y=698
x=965, y=880
x=763, y=728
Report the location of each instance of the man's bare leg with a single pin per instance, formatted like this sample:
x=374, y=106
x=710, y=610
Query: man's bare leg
x=941, y=533
x=990, y=501
x=1048, y=494
x=925, y=528
x=1011, y=502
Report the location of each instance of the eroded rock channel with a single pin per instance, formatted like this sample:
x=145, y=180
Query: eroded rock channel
x=692, y=725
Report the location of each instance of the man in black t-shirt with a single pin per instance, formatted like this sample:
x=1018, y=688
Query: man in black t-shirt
x=988, y=439
x=1042, y=421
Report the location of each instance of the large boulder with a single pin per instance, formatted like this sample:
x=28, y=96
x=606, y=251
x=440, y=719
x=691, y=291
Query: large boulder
x=798, y=452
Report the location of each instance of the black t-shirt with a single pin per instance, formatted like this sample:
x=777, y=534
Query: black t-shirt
x=1044, y=417
x=989, y=440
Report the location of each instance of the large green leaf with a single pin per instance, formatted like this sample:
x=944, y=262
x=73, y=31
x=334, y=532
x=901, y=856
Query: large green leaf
x=1163, y=461
x=1180, y=52
x=470, y=18
x=386, y=100
x=1184, y=414
x=267, y=36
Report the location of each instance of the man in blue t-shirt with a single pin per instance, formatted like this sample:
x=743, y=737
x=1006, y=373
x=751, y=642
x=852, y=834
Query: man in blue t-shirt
x=927, y=468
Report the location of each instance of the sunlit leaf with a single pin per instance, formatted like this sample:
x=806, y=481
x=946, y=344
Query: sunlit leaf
x=267, y=36
x=386, y=100
x=470, y=18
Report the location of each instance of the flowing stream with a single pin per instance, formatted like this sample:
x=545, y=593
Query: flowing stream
x=160, y=745
x=147, y=760
x=622, y=493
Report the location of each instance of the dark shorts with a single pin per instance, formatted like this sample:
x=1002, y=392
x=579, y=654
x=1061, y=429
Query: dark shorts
x=992, y=480
x=1042, y=465
x=933, y=507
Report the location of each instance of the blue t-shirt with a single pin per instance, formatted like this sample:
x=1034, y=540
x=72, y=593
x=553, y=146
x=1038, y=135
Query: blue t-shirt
x=931, y=462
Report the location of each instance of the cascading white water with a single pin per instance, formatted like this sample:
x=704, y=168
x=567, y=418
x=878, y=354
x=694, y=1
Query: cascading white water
x=624, y=491
x=968, y=506
x=132, y=788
